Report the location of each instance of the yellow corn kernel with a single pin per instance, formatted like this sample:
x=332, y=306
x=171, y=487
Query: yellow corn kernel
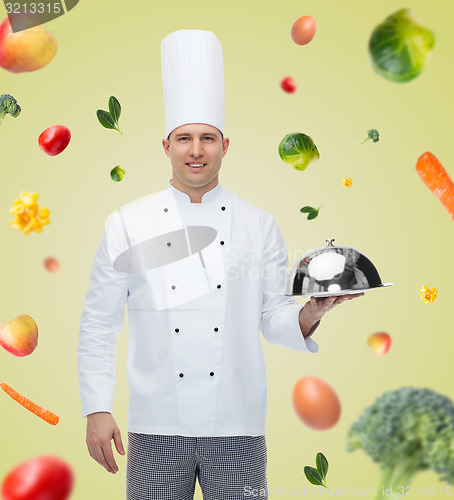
x=43, y=212
x=35, y=222
x=428, y=295
x=27, y=214
x=16, y=210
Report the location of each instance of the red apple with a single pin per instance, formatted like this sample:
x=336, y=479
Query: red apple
x=26, y=50
x=19, y=336
x=380, y=342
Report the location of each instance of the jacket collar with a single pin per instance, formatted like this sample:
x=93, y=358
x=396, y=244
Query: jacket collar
x=211, y=196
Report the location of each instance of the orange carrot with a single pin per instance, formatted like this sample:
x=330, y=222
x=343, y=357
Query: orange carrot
x=437, y=180
x=46, y=415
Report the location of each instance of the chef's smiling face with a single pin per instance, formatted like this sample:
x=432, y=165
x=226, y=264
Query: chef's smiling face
x=195, y=151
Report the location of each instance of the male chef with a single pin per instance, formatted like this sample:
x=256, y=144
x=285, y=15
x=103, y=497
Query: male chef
x=202, y=273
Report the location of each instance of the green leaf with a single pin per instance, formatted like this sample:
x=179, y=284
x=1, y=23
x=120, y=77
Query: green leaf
x=105, y=119
x=313, y=214
x=313, y=476
x=114, y=108
x=322, y=464
x=307, y=209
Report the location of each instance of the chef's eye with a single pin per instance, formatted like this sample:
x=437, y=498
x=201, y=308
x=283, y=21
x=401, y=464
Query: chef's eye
x=209, y=138
x=182, y=138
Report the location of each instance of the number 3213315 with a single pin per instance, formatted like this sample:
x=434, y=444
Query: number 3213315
x=424, y=491
x=34, y=8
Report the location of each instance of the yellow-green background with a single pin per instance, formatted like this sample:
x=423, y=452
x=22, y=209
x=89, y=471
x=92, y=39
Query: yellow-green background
x=112, y=47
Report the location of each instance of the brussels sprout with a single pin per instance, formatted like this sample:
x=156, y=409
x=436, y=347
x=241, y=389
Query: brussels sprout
x=400, y=46
x=298, y=150
x=117, y=173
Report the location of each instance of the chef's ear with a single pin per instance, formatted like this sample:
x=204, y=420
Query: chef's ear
x=225, y=145
x=166, y=146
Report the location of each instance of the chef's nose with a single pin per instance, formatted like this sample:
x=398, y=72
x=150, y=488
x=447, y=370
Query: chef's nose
x=196, y=148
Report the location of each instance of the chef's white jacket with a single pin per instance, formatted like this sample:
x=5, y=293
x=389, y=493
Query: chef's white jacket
x=200, y=280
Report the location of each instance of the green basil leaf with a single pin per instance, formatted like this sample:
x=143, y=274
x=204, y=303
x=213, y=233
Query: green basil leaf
x=114, y=108
x=313, y=214
x=313, y=476
x=307, y=209
x=105, y=119
x=322, y=464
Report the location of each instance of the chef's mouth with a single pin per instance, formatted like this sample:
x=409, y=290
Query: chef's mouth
x=196, y=165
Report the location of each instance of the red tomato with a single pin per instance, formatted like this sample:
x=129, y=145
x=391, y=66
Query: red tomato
x=288, y=84
x=41, y=478
x=54, y=139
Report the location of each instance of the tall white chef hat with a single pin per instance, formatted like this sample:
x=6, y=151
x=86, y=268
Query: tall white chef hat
x=192, y=79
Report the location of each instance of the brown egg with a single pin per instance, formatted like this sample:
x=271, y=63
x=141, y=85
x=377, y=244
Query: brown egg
x=52, y=264
x=303, y=30
x=316, y=403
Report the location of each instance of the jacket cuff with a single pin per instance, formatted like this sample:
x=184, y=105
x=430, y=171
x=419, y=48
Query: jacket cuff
x=290, y=328
x=96, y=400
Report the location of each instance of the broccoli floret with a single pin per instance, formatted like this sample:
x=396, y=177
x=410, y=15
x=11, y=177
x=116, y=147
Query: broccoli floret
x=407, y=431
x=372, y=135
x=8, y=105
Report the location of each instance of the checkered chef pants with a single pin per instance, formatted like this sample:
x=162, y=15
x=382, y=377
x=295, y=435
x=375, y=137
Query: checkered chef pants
x=165, y=467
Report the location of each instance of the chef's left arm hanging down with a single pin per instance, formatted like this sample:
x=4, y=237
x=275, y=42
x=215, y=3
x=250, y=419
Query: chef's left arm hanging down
x=101, y=321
